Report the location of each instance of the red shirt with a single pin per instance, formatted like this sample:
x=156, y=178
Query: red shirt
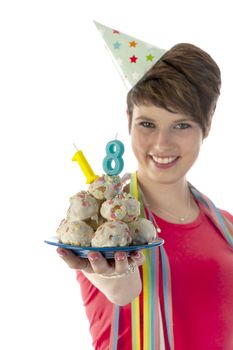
x=201, y=263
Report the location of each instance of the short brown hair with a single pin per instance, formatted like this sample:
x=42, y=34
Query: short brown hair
x=186, y=79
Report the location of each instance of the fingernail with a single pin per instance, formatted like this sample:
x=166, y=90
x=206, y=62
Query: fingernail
x=94, y=256
x=137, y=254
x=61, y=252
x=120, y=256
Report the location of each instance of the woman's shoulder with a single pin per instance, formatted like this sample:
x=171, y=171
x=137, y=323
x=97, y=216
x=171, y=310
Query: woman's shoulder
x=202, y=198
x=227, y=215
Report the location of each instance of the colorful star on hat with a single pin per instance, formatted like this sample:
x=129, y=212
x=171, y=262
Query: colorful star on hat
x=132, y=57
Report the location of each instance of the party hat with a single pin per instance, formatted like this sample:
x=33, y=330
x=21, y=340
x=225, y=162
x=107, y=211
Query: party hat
x=131, y=56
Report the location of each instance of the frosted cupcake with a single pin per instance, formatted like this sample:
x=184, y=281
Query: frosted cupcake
x=121, y=208
x=83, y=206
x=105, y=187
x=142, y=231
x=112, y=234
x=75, y=233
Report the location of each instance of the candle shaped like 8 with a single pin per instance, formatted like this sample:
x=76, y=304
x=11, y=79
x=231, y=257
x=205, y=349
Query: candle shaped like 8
x=85, y=166
x=113, y=162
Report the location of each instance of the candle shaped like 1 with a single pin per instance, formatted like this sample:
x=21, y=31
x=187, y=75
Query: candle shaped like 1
x=113, y=162
x=85, y=166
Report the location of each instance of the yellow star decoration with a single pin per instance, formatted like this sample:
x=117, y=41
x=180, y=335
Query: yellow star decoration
x=132, y=43
x=150, y=57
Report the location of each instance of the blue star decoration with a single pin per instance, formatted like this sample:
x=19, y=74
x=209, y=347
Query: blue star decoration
x=117, y=45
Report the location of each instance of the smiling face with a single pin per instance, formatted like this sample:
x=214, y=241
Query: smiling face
x=165, y=144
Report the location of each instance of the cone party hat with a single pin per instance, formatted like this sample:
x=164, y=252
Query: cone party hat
x=131, y=56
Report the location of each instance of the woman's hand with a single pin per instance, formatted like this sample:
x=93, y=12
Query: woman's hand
x=118, y=278
x=96, y=263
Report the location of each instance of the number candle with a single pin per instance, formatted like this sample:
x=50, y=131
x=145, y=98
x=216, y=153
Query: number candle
x=84, y=165
x=113, y=163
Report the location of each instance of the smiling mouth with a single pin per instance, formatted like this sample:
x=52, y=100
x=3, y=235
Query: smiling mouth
x=164, y=162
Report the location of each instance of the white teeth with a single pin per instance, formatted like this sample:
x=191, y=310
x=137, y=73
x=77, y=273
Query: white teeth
x=165, y=160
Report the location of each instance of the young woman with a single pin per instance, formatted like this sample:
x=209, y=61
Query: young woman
x=178, y=296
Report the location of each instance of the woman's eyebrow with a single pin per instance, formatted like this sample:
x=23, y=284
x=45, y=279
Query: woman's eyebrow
x=187, y=119
x=141, y=117
x=184, y=120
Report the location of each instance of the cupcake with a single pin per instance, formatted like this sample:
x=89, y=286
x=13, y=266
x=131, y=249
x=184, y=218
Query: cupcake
x=76, y=233
x=83, y=206
x=121, y=208
x=142, y=231
x=112, y=234
x=105, y=187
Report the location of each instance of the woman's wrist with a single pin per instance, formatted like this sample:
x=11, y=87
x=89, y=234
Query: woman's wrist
x=131, y=269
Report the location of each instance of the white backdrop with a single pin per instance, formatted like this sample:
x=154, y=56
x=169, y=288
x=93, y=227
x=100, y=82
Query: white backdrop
x=59, y=86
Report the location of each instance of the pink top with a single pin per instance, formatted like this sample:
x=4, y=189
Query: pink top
x=201, y=264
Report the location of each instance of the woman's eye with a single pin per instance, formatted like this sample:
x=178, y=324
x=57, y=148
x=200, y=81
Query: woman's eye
x=182, y=126
x=147, y=125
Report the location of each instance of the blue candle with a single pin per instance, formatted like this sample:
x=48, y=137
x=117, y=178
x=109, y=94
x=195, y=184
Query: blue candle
x=113, y=162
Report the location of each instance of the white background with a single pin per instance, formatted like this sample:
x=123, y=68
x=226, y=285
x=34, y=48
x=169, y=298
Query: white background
x=59, y=86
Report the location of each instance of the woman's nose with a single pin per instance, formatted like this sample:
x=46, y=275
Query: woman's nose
x=162, y=140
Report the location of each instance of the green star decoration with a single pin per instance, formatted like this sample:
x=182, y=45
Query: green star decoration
x=150, y=57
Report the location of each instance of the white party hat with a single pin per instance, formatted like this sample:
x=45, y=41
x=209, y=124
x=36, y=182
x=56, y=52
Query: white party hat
x=131, y=56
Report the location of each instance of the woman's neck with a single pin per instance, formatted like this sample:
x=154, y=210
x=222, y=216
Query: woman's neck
x=172, y=201
x=160, y=193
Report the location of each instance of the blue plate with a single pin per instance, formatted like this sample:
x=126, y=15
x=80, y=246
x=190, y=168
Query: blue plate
x=108, y=252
